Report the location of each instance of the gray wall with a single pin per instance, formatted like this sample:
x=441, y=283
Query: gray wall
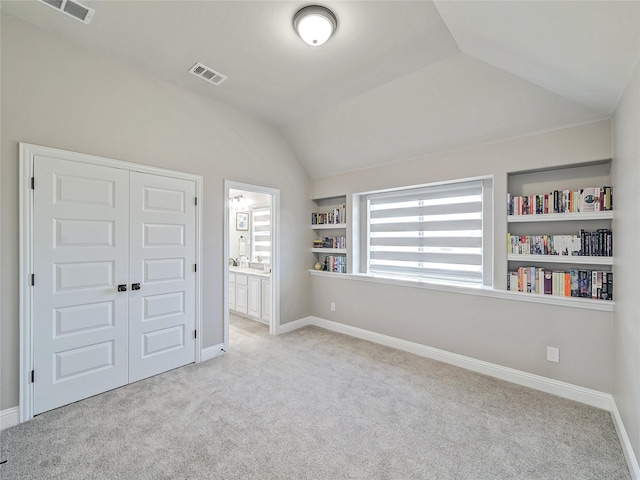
x=626, y=225
x=510, y=333
x=60, y=95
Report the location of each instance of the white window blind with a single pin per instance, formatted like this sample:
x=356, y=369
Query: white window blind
x=261, y=232
x=433, y=232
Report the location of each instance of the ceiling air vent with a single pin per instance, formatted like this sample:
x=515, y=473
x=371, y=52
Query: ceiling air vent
x=72, y=8
x=207, y=74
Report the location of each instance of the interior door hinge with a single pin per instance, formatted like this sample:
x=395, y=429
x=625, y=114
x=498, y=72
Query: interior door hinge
x=33, y=279
x=195, y=267
x=195, y=334
x=195, y=200
x=33, y=376
x=33, y=183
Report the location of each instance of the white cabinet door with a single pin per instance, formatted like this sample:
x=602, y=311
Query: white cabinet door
x=253, y=307
x=241, y=294
x=162, y=274
x=266, y=299
x=232, y=291
x=80, y=256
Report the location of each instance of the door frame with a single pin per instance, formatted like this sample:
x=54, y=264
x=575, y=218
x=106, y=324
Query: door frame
x=26, y=163
x=274, y=322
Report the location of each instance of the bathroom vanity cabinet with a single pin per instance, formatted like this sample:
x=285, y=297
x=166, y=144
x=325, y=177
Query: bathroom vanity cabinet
x=250, y=293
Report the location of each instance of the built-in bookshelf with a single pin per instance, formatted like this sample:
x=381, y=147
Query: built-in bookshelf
x=559, y=240
x=329, y=223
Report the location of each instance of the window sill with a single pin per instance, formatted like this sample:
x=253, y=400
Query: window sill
x=588, y=304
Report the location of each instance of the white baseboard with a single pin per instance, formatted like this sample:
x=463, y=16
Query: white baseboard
x=212, y=352
x=632, y=461
x=9, y=417
x=295, y=325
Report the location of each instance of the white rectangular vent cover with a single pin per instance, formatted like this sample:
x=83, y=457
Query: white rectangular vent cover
x=72, y=8
x=208, y=74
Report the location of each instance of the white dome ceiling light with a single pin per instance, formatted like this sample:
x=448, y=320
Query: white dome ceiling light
x=315, y=24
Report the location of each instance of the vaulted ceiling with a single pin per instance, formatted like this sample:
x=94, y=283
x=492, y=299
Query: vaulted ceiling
x=398, y=78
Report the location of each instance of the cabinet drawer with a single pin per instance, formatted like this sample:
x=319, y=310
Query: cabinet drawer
x=241, y=280
x=232, y=277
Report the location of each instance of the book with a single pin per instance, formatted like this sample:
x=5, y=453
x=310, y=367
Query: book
x=540, y=281
x=573, y=273
x=532, y=279
x=588, y=201
x=548, y=282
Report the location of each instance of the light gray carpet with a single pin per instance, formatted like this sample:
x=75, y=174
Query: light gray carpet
x=313, y=404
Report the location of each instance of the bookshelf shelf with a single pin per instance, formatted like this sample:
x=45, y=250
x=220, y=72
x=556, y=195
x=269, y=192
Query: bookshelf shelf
x=334, y=251
x=561, y=217
x=576, y=302
x=567, y=259
x=329, y=226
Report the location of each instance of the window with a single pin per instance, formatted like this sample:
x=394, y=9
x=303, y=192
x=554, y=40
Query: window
x=438, y=233
x=261, y=232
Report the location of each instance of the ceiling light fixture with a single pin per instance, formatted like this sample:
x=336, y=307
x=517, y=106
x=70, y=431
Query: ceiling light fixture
x=315, y=24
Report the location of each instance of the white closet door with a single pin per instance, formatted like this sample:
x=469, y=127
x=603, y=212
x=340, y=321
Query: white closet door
x=80, y=255
x=162, y=253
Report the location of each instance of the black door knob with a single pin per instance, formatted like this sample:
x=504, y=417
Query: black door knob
x=135, y=286
x=122, y=288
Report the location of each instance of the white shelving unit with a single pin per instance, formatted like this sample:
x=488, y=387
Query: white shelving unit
x=536, y=182
x=326, y=205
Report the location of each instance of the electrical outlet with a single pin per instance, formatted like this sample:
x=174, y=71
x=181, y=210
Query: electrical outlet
x=333, y=306
x=553, y=354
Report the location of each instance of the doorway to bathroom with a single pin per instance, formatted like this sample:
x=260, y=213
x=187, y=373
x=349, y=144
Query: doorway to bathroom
x=251, y=270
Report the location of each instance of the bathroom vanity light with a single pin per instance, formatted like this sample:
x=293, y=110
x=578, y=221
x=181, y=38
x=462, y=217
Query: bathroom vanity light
x=315, y=24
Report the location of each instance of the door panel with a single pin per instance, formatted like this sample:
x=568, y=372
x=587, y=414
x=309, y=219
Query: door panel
x=162, y=248
x=266, y=299
x=254, y=293
x=80, y=255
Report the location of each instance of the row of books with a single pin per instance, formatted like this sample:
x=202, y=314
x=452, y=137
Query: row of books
x=336, y=216
x=335, y=263
x=589, y=199
x=585, y=244
x=330, y=242
x=594, y=284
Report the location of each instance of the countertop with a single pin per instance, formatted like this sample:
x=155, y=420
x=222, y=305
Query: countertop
x=250, y=271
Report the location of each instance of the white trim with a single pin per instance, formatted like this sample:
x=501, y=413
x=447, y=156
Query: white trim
x=199, y=261
x=9, y=417
x=274, y=322
x=586, y=303
x=26, y=162
x=625, y=443
x=295, y=325
x=212, y=352
x=26, y=262
x=537, y=382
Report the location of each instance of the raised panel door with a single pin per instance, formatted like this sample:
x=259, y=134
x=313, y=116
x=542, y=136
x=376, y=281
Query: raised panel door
x=162, y=263
x=80, y=256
